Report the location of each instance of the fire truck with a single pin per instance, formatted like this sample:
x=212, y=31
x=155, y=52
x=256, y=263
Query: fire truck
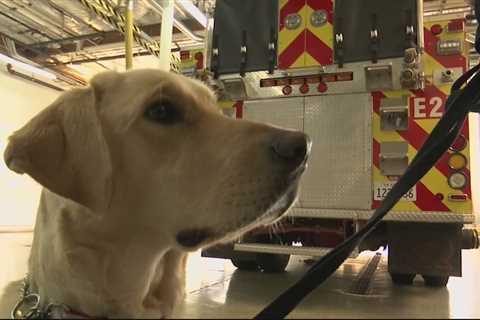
x=367, y=80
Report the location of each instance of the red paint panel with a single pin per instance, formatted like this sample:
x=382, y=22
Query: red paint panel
x=238, y=109
x=376, y=163
x=376, y=153
x=292, y=6
x=377, y=98
x=326, y=5
x=292, y=53
x=318, y=49
x=451, y=61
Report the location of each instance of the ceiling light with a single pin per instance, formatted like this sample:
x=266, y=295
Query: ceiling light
x=28, y=68
x=193, y=11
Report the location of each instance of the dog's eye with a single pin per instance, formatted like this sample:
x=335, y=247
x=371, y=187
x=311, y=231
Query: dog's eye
x=163, y=112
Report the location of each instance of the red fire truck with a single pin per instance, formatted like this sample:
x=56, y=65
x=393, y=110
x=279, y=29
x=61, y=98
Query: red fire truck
x=367, y=80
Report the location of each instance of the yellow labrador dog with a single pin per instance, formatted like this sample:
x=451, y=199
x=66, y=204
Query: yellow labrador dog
x=138, y=169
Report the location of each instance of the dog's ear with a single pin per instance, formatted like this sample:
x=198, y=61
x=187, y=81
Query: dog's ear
x=63, y=148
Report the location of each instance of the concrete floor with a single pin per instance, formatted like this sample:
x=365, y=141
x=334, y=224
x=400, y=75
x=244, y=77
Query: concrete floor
x=217, y=290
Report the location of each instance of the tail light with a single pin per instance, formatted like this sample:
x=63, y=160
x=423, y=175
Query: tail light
x=457, y=180
x=457, y=161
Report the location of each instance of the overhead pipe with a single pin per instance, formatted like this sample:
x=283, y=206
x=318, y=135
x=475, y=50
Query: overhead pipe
x=178, y=24
x=187, y=6
x=118, y=21
x=129, y=35
x=166, y=33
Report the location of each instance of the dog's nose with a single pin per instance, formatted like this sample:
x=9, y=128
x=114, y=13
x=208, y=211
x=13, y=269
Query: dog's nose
x=292, y=147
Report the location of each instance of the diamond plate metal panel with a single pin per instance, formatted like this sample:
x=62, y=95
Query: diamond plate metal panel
x=286, y=113
x=339, y=173
x=283, y=112
x=410, y=216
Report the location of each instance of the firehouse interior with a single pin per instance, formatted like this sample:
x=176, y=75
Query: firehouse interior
x=380, y=87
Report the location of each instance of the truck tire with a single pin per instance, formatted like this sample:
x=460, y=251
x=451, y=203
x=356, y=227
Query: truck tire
x=242, y=264
x=402, y=278
x=272, y=263
x=435, y=281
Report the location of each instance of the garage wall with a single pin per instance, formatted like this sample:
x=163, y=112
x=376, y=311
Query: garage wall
x=20, y=100
x=474, y=126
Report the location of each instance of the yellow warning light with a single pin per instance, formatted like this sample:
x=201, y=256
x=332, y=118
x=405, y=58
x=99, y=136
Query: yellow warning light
x=457, y=161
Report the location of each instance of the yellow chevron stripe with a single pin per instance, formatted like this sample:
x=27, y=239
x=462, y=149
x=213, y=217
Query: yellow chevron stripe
x=427, y=124
x=309, y=60
x=322, y=36
x=286, y=36
x=397, y=94
x=324, y=33
x=300, y=62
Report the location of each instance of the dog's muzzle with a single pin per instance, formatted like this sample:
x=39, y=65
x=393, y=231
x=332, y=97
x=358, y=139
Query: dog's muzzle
x=191, y=238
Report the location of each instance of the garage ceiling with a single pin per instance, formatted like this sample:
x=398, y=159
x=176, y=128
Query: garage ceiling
x=66, y=37
x=63, y=35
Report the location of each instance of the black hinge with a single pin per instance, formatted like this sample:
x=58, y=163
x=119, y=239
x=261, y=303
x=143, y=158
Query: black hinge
x=410, y=33
x=215, y=64
x=243, y=53
x=339, y=43
x=374, y=39
x=272, y=51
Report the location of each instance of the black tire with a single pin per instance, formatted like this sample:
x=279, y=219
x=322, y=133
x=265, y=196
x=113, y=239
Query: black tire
x=272, y=263
x=242, y=264
x=435, y=281
x=402, y=279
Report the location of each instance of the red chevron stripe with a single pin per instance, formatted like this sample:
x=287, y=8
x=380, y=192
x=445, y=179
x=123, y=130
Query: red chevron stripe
x=318, y=49
x=427, y=201
x=376, y=163
x=451, y=61
x=377, y=97
x=292, y=53
x=292, y=6
x=376, y=153
x=326, y=5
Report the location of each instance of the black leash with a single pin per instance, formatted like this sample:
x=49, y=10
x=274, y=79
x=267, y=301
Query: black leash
x=460, y=102
x=458, y=105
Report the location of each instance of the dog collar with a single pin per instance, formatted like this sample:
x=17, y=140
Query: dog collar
x=31, y=306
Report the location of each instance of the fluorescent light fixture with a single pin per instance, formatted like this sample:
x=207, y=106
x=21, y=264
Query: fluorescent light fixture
x=192, y=10
x=28, y=67
x=79, y=68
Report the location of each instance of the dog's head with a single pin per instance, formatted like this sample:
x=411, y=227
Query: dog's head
x=150, y=150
